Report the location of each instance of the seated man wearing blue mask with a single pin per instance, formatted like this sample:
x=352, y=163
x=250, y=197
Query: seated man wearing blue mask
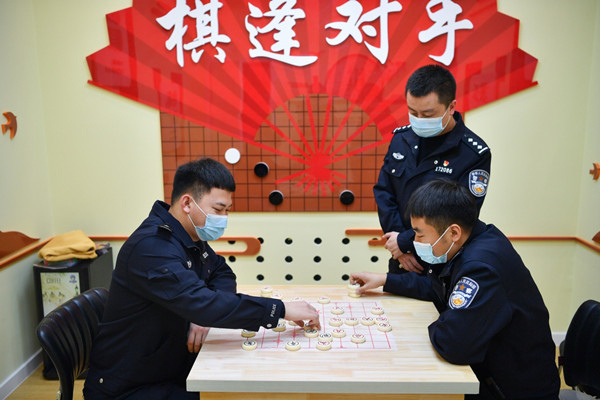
x=492, y=315
x=168, y=286
x=436, y=144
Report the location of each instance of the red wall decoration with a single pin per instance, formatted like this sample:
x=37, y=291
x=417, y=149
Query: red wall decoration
x=11, y=124
x=299, y=97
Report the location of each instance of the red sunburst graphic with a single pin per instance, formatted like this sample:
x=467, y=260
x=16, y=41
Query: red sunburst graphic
x=228, y=91
x=319, y=147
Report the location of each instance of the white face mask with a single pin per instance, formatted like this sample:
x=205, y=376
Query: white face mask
x=213, y=228
x=425, y=251
x=428, y=127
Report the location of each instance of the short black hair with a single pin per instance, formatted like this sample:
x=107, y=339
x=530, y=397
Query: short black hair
x=199, y=177
x=443, y=202
x=432, y=78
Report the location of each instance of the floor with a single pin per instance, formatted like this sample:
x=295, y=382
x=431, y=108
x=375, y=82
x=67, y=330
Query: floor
x=38, y=388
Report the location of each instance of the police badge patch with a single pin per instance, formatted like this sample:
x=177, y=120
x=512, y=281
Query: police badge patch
x=478, y=182
x=463, y=294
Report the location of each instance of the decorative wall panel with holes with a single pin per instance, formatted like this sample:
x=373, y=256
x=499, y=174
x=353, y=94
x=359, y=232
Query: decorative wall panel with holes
x=308, y=90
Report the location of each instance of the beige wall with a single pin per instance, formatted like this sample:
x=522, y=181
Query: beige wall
x=87, y=159
x=105, y=158
x=586, y=266
x=544, y=141
x=537, y=135
x=25, y=200
x=589, y=195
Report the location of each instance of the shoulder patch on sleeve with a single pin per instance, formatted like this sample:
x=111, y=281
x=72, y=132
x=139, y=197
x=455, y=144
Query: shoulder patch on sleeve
x=401, y=129
x=478, y=182
x=463, y=294
x=477, y=145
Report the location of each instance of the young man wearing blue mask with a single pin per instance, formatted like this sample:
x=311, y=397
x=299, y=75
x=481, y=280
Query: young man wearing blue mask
x=436, y=144
x=492, y=315
x=168, y=287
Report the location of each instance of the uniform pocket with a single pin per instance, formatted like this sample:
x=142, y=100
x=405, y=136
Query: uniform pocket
x=167, y=280
x=394, y=166
x=164, y=272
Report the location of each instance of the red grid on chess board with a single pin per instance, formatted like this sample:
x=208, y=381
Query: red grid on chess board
x=268, y=339
x=314, y=150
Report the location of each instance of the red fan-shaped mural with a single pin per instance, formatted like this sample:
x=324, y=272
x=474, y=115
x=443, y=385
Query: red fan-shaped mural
x=226, y=69
x=305, y=159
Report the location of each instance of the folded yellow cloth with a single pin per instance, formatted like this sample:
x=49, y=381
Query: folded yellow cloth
x=68, y=245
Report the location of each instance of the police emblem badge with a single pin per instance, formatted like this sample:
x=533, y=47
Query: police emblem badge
x=478, y=182
x=463, y=294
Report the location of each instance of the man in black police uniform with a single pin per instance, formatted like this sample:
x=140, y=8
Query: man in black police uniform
x=167, y=286
x=492, y=315
x=436, y=144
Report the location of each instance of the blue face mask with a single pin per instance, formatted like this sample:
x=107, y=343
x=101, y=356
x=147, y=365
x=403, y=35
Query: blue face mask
x=213, y=227
x=428, y=127
x=425, y=251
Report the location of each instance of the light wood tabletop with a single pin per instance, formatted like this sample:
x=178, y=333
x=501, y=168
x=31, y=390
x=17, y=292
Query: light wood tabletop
x=223, y=370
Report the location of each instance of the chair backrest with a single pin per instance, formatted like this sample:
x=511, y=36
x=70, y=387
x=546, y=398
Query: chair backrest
x=581, y=358
x=67, y=332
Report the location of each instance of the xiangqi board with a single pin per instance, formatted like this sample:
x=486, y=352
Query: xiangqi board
x=356, y=324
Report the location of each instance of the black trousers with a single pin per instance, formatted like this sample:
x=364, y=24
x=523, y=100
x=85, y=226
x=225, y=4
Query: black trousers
x=160, y=391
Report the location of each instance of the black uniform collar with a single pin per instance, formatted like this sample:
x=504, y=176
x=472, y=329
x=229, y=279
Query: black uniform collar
x=161, y=209
x=478, y=229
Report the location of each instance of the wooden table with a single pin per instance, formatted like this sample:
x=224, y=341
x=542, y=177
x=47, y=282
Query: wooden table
x=414, y=371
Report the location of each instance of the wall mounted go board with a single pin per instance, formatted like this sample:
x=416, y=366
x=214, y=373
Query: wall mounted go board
x=316, y=153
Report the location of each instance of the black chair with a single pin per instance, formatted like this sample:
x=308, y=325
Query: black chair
x=580, y=353
x=66, y=335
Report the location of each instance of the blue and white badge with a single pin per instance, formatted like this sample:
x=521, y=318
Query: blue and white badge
x=478, y=182
x=463, y=294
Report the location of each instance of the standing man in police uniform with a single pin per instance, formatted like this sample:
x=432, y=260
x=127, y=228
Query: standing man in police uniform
x=436, y=144
x=168, y=286
x=492, y=315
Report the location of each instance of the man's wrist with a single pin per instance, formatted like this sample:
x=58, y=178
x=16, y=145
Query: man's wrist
x=384, y=279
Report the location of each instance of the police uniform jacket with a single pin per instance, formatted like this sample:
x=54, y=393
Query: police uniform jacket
x=492, y=317
x=162, y=281
x=461, y=156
